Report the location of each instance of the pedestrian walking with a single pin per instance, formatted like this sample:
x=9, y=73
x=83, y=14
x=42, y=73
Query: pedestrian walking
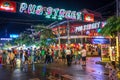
x=4, y=57
x=63, y=56
x=68, y=56
x=52, y=56
x=47, y=58
x=21, y=53
x=25, y=65
x=12, y=58
x=79, y=56
x=0, y=59
x=83, y=52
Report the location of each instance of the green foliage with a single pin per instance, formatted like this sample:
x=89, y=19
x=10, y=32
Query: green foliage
x=112, y=27
x=7, y=45
x=45, y=33
x=24, y=39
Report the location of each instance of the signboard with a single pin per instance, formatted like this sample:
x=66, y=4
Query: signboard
x=5, y=39
x=49, y=12
x=100, y=40
x=8, y=6
x=87, y=27
x=95, y=25
x=88, y=17
x=14, y=35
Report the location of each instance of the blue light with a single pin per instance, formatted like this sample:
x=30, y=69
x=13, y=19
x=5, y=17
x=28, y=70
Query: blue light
x=100, y=41
x=14, y=35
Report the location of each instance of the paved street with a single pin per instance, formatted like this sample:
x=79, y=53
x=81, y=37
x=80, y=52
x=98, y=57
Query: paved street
x=54, y=71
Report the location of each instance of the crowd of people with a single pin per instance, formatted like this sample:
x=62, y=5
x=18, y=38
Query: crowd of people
x=43, y=55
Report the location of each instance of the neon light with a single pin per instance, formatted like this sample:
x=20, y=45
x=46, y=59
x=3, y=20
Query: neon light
x=6, y=39
x=87, y=27
x=6, y=8
x=31, y=9
x=39, y=10
x=23, y=7
x=49, y=12
x=79, y=16
x=67, y=14
x=56, y=10
x=88, y=17
x=73, y=15
x=61, y=14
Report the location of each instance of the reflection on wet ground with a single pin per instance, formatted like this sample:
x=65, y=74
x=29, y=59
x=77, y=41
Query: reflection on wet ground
x=55, y=72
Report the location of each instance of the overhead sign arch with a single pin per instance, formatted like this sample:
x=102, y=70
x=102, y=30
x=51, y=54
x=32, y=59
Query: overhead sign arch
x=49, y=12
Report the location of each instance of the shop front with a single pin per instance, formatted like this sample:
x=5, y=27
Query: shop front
x=85, y=34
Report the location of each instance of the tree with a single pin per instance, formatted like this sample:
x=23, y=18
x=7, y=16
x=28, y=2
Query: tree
x=44, y=34
x=39, y=37
x=112, y=28
x=23, y=39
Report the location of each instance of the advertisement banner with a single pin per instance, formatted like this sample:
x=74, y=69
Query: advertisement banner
x=7, y=6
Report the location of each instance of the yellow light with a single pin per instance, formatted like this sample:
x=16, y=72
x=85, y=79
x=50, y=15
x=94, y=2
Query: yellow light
x=117, y=47
x=110, y=51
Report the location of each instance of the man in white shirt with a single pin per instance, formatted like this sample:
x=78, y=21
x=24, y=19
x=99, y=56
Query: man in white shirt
x=68, y=56
x=84, y=52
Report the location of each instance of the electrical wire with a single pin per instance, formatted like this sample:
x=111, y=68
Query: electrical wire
x=106, y=6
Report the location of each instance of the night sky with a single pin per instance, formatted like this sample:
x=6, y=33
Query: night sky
x=15, y=23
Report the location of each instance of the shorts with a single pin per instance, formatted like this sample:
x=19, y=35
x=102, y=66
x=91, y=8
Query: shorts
x=83, y=58
x=63, y=57
x=12, y=61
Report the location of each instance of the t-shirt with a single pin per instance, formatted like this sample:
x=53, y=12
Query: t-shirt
x=11, y=56
x=68, y=52
x=43, y=52
x=83, y=53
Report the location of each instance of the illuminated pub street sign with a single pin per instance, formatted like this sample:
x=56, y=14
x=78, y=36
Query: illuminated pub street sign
x=95, y=25
x=49, y=12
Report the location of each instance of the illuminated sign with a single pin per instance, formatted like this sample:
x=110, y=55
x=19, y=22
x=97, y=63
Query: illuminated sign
x=14, y=35
x=8, y=6
x=88, y=17
x=5, y=39
x=87, y=27
x=100, y=40
x=49, y=12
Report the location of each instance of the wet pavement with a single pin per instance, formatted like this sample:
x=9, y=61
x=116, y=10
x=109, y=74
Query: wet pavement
x=56, y=71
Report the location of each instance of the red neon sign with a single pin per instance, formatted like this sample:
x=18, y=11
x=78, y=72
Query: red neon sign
x=8, y=6
x=88, y=17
